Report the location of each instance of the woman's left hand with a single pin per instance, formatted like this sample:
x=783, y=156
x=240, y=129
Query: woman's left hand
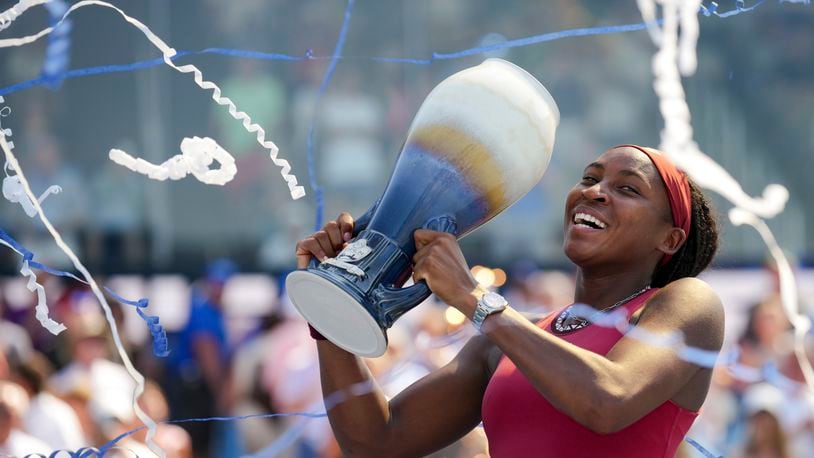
x=440, y=262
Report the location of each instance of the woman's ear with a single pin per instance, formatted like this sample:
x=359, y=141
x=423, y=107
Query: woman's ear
x=673, y=241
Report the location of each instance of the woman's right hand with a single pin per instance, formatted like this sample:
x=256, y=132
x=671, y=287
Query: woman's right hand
x=326, y=243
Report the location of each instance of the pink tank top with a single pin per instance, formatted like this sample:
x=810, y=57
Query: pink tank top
x=520, y=422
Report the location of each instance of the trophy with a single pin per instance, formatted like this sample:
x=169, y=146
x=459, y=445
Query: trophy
x=480, y=141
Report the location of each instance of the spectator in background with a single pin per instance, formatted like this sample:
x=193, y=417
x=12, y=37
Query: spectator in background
x=765, y=437
x=198, y=368
x=251, y=396
x=173, y=439
x=48, y=418
x=13, y=405
x=99, y=390
x=14, y=339
x=290, y=375
x=765, y=339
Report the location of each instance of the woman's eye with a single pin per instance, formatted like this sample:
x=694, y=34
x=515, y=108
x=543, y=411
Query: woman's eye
x=629, y=189
x=589, y=180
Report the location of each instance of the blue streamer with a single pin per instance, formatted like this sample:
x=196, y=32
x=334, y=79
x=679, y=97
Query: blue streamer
x=57, y=53
x=158, y=333
x=712, y=10
x=739, y=8
x=106, y=447
x=700, y=448
x=337, y=54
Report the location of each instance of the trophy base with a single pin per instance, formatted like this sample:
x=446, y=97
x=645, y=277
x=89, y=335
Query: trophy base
x=336, y=314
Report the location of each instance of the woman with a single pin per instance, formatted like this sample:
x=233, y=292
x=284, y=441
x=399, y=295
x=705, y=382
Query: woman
x=638, y=232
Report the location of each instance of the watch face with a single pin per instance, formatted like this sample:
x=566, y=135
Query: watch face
x=493, y=300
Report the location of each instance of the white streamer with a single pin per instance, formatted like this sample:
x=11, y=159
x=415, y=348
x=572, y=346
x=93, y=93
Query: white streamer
x=13, y=192
x=168, y=53
x=8, y=16
x=788, y=289
x=197, y=155
x=41, y=310
x=677, y=135
x=677, y=141
x=139, y=379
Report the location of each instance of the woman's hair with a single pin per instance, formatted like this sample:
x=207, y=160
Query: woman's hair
x=766, y=435
x=699, y=248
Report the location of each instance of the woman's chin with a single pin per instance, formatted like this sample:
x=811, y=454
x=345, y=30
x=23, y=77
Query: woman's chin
x=578, y=253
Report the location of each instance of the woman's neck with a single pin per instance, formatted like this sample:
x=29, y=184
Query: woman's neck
x=603, y=290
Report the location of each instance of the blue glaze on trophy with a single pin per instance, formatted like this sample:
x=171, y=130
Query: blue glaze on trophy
x=481, y=140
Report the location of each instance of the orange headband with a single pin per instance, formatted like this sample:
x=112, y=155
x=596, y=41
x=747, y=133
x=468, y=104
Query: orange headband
x=678, y=189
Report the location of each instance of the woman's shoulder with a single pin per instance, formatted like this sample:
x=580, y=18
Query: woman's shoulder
x=691, y=290
x=691, y=305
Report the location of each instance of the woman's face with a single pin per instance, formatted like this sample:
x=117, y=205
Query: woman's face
x=618, y=212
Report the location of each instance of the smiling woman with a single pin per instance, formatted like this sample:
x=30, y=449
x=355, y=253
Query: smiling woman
x=636, y=228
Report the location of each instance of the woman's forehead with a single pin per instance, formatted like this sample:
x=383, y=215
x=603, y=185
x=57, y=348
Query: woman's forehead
x=628, y=158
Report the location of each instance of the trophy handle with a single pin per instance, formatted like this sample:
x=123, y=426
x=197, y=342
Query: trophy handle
x=394, y=302
x=359, y=225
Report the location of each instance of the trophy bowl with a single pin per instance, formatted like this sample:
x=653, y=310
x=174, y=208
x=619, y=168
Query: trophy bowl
x=480, y=141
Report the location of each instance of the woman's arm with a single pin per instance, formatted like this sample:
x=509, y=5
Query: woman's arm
x=431, y=413
x=608, y=393
x=604, y=393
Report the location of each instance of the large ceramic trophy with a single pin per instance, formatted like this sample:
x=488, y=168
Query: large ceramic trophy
x=480, y=141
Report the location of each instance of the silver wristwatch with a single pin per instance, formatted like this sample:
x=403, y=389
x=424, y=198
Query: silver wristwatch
x=488, y=304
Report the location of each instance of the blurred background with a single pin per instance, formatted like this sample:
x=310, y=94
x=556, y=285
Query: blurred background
x=212, y=259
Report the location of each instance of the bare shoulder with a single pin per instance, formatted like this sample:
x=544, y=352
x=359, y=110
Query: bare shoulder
x=691, y=306
x=692, y=296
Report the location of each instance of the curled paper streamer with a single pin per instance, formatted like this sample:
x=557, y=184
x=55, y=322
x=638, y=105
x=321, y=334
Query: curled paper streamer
x=13, y=192
x=160, y=345
x=5, y=111
x=168, y=53
x=196, y=158
x=41, y=309
x=12, y=188
x=676, y=57
x=137, y=377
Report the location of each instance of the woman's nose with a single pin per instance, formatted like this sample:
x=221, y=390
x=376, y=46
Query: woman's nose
x=595, y=192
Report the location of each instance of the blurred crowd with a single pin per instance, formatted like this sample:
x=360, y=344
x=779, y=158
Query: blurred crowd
x=239, y=348
x=120, y=222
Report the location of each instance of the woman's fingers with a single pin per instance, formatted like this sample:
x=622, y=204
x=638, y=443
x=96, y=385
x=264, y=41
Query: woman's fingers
x=306, y=249
x=346, y=225
x=325, y=243
x=334, y=234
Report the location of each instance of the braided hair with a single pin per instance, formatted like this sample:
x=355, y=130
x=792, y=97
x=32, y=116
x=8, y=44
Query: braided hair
x=699, y=248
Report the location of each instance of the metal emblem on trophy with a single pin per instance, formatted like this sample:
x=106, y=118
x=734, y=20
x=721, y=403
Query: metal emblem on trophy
x=481, y=140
